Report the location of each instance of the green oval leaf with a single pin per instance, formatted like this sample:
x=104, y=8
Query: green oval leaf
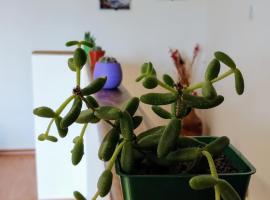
x=42, y=137
x=202, y=102
x=161, y=112
x=150, y=82
x=127, y=158
x=152, y=131
x=126, y=126
x=217, y=146
x=85, y=116
x=137, y=120
x=71, y=65
x=71, y=43
x=208, y=90
x=78, y=196
x=131, y=106
x=108, y=145
x=79, y=58
x=202, y=182
x=94, y=86
x=105, y=183
x=239, y=82
x=73, y=113
x=186, y=154
x=92, y=101
x=158, y=98
x=51, y=138
x=108, y=113
x=184, y=142
x=224, y=58
x=169, y=137
x=77, y=152
x=227, y=191
x=149, y=142
x=168, y=80
x=44, y=112
x=61, y=131
x=212, y=70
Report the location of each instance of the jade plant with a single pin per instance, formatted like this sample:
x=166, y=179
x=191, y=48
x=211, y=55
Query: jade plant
x=161, y=145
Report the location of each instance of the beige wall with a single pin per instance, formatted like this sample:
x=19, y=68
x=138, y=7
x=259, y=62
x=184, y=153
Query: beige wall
x=246, y=119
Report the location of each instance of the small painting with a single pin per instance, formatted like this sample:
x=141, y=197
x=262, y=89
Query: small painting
x=115, y=4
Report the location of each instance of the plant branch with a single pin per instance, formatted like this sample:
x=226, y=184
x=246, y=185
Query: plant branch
x=78, y=76
x=95, y=196
x=114, y=156
x=91, y=107
x=83, y=130
x=165, y=86
x=63, y=105
x=49, y=127
x=213, y=171
x=200, y=84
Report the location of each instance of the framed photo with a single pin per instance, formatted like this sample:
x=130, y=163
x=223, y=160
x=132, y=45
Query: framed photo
x=115, y=4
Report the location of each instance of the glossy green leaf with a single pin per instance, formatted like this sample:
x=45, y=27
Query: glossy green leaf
x=51, y=138
x=72, y=43
x=224, y=58
x=150, y=82
x=77, y=152
x=158, y=98
x=137, y=120
x=79, y=58
x=78, y=196
x=217, y=146
x=42, y=137
x=212, y=70
x=71, y=65
x=227, y=191
x=186, y=154
x=85, y=116
x=108, y=113
x=161, y=112
x=184, y=142
x=73, y=113
x=127, y=158
x=105, y=183
x=92, y=101
x=44, y=112
x=61, y=131
x=94, y=86
x=149, y=142
x=239, y=82
x=168, y=80
x=108, y=145
x=168, y=140
x=131, y=106
x=202, y=102
x=202, y=182
x=126, y=126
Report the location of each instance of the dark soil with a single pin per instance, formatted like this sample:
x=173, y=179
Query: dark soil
x=149, y=166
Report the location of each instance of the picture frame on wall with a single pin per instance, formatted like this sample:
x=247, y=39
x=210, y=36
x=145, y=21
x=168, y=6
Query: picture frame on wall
x=115, y=4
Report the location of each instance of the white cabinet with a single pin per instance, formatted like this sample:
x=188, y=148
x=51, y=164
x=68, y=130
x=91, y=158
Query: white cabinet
x=57, y=178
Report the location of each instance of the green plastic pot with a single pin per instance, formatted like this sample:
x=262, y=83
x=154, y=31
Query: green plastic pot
x=176, y=187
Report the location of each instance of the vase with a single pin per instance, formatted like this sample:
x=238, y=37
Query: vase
x=94, y=58
x=112, y=71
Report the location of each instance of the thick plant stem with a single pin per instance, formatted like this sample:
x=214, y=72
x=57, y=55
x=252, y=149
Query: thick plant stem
x=83, y=130
x=200, y=85
x=95, y=196
x=63, y=105
x=78, y=76
x=165, y=86
x=114, y=156
x=213, y=171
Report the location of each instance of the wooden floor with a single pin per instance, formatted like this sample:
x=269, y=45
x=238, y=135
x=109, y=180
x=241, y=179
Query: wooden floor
x=17, y=176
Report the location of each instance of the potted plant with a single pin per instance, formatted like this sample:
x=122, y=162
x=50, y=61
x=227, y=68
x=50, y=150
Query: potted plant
x=95, y=52
x=158, y=163
x=109, y=67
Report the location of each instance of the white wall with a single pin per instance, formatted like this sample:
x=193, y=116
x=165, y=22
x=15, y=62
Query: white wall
x=141, y=34
x=244, y=119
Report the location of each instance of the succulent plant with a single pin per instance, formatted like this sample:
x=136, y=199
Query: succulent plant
x=107, y=59
x=162, y=142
